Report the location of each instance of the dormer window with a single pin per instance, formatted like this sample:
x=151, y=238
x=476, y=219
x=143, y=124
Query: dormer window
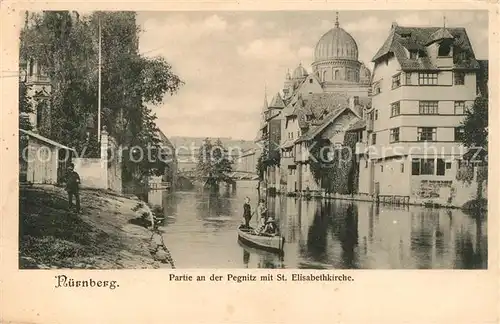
x=444, y=49
x=406, y=35
x=413, y=55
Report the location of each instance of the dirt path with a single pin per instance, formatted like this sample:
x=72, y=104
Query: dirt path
x=108, y=234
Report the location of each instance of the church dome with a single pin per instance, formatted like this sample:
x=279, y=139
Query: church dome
x=336, y=44
x=299, y=72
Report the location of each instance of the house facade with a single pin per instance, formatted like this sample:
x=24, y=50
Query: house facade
x=318, y=106
x=424, y=80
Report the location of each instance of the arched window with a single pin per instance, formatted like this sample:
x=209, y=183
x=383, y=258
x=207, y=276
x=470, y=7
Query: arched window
x=336, y=74
x=324, y=76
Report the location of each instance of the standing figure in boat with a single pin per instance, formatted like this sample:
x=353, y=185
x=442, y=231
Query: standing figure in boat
x=247, y=212
x=262, y=212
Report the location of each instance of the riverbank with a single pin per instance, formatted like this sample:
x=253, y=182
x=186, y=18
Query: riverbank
x=471, y=205
x=111, y=232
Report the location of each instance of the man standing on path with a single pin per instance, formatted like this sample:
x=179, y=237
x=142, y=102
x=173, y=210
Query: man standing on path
x=73, y=187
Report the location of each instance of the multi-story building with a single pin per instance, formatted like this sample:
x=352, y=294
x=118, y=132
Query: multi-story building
x=321, y=105
x=424, y=80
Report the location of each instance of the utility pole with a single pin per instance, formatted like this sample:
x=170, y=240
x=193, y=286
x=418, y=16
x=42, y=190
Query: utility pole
x=99, y=85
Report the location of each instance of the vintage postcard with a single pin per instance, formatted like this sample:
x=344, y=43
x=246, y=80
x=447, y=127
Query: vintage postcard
x=242, y=152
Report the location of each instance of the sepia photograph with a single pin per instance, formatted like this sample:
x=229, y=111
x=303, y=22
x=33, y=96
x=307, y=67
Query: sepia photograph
x=314, y=140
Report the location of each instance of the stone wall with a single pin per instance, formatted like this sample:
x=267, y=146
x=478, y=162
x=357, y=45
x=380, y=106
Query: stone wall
x=104, y=172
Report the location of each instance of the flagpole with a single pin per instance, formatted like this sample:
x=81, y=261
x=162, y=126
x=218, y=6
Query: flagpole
x=99, y=87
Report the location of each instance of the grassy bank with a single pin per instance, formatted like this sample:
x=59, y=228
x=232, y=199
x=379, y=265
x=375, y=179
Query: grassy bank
x=108, y=234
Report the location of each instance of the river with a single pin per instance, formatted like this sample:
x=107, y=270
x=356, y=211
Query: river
x=200, y=231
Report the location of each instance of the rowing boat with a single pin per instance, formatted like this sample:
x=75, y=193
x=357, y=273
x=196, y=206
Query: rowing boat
x=248, y=236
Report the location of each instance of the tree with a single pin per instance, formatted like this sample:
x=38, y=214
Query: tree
x=66, y=45
x=213, y=165
x=336, y=169
x=475, y=137
x=476, y=127
x=25, y=107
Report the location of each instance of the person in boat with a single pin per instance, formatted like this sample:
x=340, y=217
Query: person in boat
x=262, y=212
x=247, y=212
x=271, y=227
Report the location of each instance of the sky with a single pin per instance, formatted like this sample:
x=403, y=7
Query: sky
x=230, y=60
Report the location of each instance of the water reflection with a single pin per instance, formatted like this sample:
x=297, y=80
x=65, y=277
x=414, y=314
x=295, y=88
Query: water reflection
x=201, y=233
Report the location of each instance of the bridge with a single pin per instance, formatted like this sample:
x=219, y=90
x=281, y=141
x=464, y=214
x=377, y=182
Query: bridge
x=235, y=175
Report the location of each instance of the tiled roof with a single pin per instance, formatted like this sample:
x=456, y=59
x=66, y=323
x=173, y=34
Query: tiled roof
x=314, y=130
x=360, y=124
x=277, y=102
x=287, y=144
x=441, y=33
x=320, y=104
x=416, y=38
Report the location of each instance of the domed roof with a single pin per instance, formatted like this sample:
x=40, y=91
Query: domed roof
x=299, y=72
x=336, y=44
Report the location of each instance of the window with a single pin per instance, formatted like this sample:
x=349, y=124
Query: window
x=395, y=109
x=428, y=107
x=413, y=55
x=459, y=78
x=381, y=168
x=356, y=100
x=459, y=107
x=396, y=81
x=444, y=50
x=310, y=80
x=374, y=139
x=377, y=88
x=459, y=133
x=448, y=165
x=415, y=167
x=440, y=167
x=428, y=78
x=408, y=78
x=427, y=166
x=336, y=74
x=402, y=167
x=426, y=134
x=376, y=114
x=394, y=135
x=39, y=113
x=422, y=166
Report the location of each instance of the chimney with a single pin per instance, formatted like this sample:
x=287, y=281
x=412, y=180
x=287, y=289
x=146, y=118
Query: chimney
x=394, y=25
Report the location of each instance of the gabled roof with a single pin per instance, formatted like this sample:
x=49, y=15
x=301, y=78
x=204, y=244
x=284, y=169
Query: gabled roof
x=360, y=124
x=417, y=38
x=316, y=130
x=439, y=34
x=277, y=102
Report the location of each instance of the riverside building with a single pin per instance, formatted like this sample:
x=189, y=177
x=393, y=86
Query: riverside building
x=424, y=80
x=320, y=105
